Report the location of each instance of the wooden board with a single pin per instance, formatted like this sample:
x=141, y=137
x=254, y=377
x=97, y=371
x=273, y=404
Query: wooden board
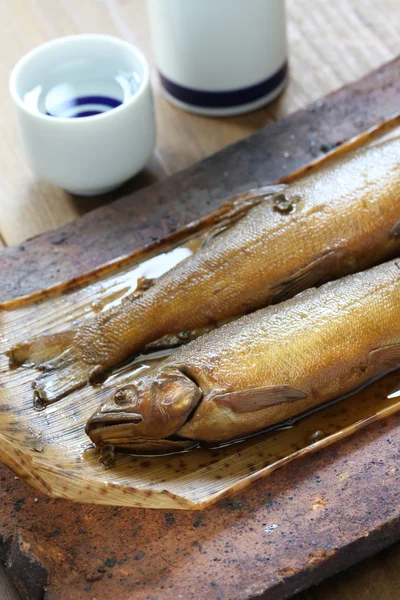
x=330, y=509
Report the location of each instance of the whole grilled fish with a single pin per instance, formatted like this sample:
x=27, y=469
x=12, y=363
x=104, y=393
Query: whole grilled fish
x=343, y=218
x=261, y=369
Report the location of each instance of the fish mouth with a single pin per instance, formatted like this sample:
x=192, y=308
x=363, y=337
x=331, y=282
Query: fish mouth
x=104, y=421
x=116, y=430
x=112, y=418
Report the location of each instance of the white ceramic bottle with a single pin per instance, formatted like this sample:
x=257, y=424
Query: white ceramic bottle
x=220, y=57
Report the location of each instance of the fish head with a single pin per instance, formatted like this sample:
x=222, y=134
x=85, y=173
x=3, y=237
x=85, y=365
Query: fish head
x=143, y=414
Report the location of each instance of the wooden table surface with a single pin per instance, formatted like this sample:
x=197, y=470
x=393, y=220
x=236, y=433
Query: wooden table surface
x=331, y=43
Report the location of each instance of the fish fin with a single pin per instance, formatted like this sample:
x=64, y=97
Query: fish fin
x=255, y=196
x=63, y=368
x=395, y=232
x=220, y=228
x=283, y=203
x=41, y=350
x=173, y=340
x=313, y=274
x=258, y=398
x=55, y=383
x=143, y=284
x=240, y=205
x=384, y=360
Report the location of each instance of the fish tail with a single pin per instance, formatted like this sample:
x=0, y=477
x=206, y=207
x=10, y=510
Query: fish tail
x=63, y=367
x=40, y=351
x=69, y=374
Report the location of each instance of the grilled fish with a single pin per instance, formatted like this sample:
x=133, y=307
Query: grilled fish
x=343, y=218
x=261, y=369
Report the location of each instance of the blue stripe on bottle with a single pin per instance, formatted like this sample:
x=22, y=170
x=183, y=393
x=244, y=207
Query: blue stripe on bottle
x=228, y=99
x=69, y=104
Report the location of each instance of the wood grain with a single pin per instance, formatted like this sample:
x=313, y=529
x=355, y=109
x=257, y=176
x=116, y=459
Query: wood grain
x=376, y=578
x=330, y=45
x=7, y=590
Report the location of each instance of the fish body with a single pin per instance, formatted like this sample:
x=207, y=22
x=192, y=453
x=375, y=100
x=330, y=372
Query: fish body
x=342, y=221
x=343, y=218
x=263, y=368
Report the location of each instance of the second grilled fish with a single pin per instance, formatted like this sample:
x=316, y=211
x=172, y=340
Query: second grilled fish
x=343, y=218
x=261, y=369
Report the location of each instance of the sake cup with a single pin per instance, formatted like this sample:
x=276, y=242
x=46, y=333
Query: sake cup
x=85, y=112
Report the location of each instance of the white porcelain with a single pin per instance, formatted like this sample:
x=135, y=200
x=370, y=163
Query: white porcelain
x=220, y=57
x=93, y=154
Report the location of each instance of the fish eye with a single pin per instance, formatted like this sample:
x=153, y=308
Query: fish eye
x=124, y=396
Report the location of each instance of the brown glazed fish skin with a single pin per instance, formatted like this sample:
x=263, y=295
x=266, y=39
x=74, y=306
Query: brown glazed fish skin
x=345, y=218
x=346, y=213
x=265, y=367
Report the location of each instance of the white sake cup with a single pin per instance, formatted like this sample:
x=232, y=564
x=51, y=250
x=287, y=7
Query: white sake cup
x=220, y=57
x=96, y=75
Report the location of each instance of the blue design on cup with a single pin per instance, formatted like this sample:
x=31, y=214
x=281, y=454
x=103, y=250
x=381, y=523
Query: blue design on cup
x=95, y=105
